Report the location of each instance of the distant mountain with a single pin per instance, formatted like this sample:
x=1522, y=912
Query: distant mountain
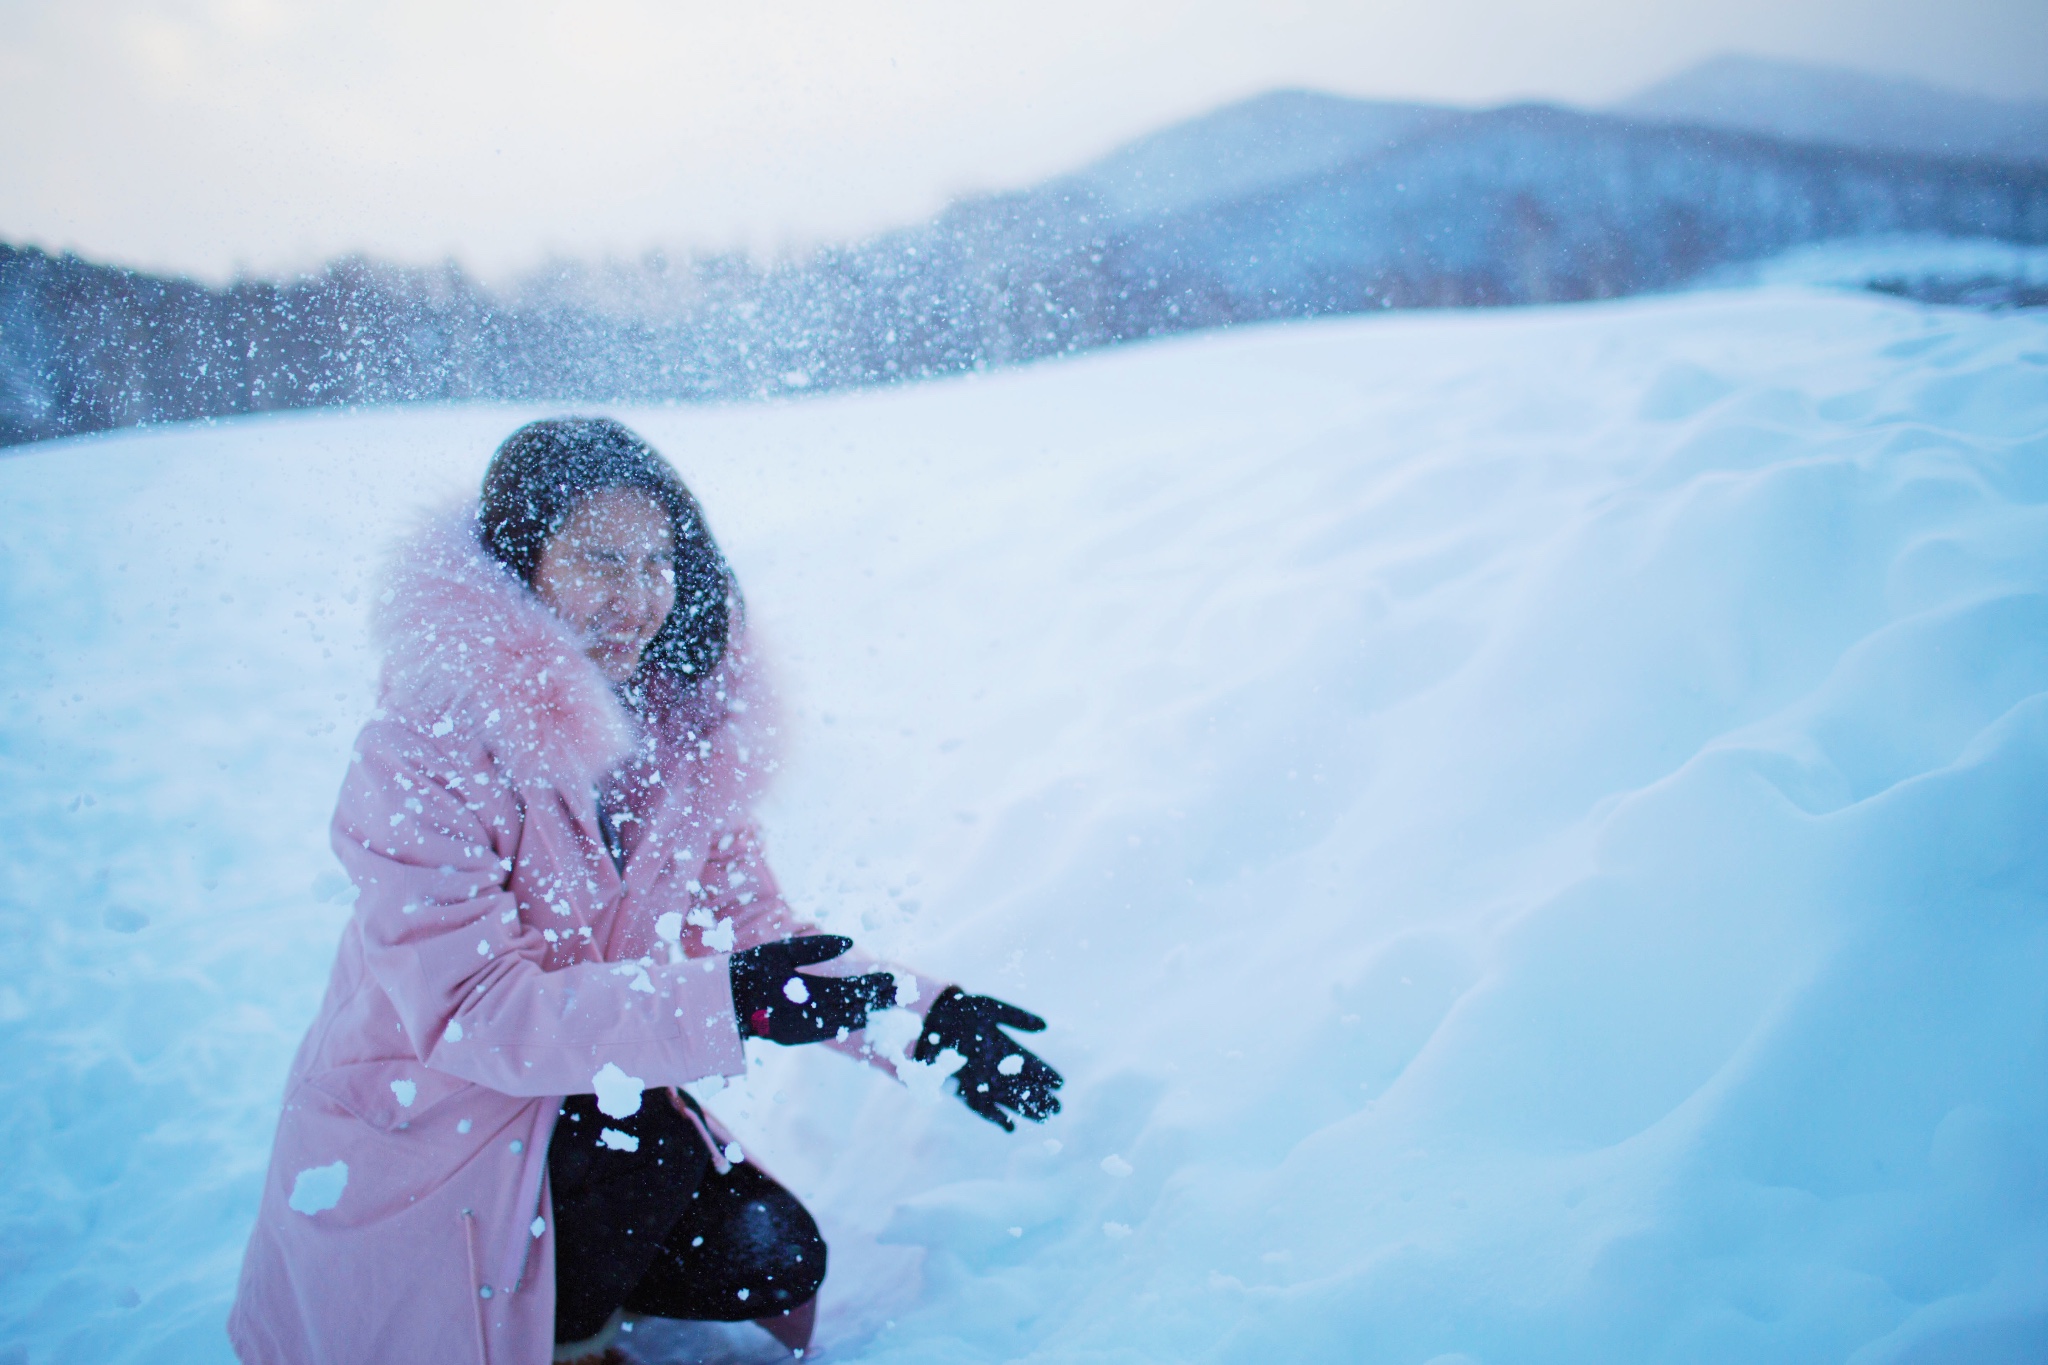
x=1289, y=205
x=1245, y=148
x=1427, y=207
x=1844, y=108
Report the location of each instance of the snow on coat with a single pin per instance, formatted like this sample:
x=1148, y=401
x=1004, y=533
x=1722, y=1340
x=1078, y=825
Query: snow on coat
x=496, y=960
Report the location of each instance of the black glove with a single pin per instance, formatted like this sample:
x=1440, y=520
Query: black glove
x=773, y=1000
x=969, y=1025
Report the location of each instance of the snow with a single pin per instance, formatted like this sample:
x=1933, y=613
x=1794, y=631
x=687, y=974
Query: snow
x=318, y=1188
x=906, y=990
x=618, y=1095
x=1525, y=828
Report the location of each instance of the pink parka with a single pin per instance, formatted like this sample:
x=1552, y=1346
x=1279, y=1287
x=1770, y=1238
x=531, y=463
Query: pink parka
x=495, y=961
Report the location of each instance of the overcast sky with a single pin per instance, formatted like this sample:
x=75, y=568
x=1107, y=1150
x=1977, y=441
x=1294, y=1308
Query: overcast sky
x=212, y=136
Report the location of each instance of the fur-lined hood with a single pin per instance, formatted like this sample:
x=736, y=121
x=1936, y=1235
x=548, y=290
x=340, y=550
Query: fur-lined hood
x=469, y=647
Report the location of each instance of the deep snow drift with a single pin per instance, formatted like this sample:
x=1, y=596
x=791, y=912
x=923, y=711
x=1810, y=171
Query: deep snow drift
x=1529, y=828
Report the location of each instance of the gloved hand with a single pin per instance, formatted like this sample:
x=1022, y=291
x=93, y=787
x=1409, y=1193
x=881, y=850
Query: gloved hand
x=773, y=1000
x=998, y=1072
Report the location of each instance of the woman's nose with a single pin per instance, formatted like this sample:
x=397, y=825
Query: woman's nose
x=652, y=594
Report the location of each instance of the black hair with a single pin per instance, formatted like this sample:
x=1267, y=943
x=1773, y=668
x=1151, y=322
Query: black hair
x=546, y=469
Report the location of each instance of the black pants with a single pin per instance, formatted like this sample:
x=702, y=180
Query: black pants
x=658, y=1230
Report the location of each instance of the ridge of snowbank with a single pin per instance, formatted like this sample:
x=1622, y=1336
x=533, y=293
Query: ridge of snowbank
x=1526, y=828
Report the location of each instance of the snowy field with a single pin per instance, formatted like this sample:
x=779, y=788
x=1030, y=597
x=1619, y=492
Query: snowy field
x=1531, y=830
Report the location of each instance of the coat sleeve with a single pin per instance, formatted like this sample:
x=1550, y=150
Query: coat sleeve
x=739, y=885
x=428, y=830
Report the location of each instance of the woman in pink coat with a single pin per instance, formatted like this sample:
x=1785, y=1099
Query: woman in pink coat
x=564, y=916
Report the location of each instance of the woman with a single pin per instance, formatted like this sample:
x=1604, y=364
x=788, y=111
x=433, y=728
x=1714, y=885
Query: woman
x=564, y=915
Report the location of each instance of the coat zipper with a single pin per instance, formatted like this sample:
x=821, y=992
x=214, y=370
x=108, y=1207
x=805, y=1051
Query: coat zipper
x=483, y=1291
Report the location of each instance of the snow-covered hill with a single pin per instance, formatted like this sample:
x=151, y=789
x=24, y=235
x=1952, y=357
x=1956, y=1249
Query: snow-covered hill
x=1528, y=828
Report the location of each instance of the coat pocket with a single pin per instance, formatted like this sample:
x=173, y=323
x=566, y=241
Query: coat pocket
x=389, y=1094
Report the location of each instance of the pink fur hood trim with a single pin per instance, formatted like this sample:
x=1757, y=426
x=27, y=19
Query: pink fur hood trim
x=469, y=647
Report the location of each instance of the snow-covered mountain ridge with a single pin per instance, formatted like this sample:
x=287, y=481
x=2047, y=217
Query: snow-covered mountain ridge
x=1268, y=140
x=1525, y=826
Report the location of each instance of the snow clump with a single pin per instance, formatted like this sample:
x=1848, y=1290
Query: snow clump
x=618, y=1095
x=318, y=1188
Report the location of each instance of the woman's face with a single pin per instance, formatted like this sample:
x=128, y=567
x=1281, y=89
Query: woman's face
x=610, y=574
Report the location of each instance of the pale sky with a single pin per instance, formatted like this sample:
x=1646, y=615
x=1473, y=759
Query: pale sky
x=211, y=136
